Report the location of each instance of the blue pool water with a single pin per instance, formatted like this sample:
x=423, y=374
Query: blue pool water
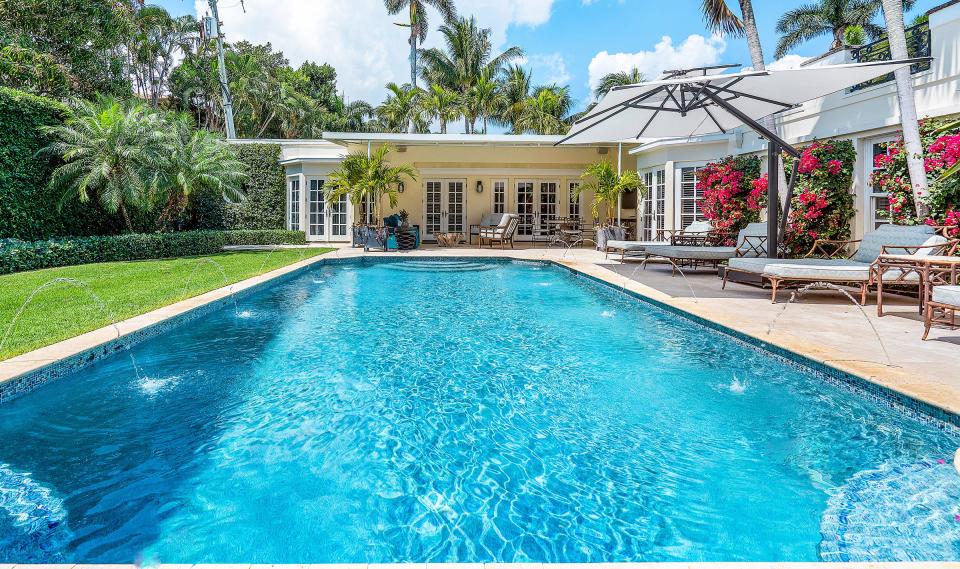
x=461, y=411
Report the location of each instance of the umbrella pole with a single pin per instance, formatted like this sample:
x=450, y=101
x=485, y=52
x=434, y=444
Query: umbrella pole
x=773, y=200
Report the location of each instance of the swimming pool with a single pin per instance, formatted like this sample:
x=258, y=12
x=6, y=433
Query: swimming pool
x=463, y=411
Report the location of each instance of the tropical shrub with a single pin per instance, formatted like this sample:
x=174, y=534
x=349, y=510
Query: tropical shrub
x=265, y=190
x=730, y=199
x=607, y=186
x=17, y=256
x=361, y=177
x=27, y=206
x=822, y=204
x=941, y=140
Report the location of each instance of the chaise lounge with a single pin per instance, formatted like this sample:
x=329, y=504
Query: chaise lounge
x=751, y=242
x=822, y=265
x=698, y=230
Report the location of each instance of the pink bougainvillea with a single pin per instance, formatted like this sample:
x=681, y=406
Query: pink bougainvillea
x=822, y=204
x=728, y=200
x=941, y=142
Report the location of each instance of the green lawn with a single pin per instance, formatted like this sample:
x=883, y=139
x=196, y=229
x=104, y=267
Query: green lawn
x=64, y=310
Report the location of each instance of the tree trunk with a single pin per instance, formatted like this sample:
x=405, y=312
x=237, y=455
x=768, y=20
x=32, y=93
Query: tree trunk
x=411, y=128
x=756, y=60
x=126, y=218
x=893, y=14
x=466, y=124
x=443, y=126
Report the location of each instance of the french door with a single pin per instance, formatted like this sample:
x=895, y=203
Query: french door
x=444, y=207
x=537, y=205
x=326, y=221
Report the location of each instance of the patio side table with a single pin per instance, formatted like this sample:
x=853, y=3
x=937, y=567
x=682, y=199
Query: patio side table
x=931, y=270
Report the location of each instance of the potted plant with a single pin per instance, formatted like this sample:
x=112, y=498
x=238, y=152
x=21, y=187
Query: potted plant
x=607, y=187
x=361, y=177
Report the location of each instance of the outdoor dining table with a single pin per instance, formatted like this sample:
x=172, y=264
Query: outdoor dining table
x=932, y=270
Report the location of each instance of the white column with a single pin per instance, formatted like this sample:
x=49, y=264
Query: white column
x=619, y=166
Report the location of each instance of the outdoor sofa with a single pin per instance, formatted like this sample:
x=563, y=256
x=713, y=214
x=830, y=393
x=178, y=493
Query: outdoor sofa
x=822, y=265
x=751, y=242
x=698, y=230
x=945, y=300
x=502, y=232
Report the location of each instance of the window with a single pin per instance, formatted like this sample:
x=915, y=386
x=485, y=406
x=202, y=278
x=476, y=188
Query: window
x=338, y=217
x=878, y=206
x=654, y=207
x=317, y=208
x=294, y=201
x=574, y=209
x=690, y=197
x=499, y=196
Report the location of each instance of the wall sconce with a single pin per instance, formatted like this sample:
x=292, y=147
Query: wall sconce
x=400, y=187
x=479, y=187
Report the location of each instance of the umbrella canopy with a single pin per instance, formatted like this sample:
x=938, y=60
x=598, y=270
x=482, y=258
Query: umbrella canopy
x=695, y=102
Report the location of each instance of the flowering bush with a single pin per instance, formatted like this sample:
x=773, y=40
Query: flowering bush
x=729, y=200
x=822, y=205
x=942, y=144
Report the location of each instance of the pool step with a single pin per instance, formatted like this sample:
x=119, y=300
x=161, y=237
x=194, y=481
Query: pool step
x=439, y=266
x=894, y=513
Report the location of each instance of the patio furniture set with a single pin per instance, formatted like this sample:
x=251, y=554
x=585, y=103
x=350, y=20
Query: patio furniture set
x=890, y=257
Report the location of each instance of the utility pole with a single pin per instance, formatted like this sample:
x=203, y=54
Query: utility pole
x=224, y=85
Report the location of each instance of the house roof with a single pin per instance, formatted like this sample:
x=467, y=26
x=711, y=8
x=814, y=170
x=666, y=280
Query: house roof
x=453, y=139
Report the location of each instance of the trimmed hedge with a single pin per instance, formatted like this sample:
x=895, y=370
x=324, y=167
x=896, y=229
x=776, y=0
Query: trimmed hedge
x=266, y=201
x=17, y=256
x=28, y=209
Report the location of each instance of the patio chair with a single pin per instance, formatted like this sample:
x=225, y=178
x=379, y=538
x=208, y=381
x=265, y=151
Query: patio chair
x=488, y=220
x=821, y=263
x=501, y=233
x=944, y=300
x=686, y=236
x=751, y=242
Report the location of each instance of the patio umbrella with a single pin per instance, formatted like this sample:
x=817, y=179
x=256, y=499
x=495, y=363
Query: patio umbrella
x=704, y=100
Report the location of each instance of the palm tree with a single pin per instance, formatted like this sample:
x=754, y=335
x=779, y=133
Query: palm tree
x=893, y=14
x=465, y=59
x=483, y=100
x=418, y=28
x=442, y=104
x=618, y=79
x=199, y=161
x=607, y=186
x=514, y=90
x=112, y=152
x=546, y=111
x=831, y=17
x=401, y=107
x=363, y=178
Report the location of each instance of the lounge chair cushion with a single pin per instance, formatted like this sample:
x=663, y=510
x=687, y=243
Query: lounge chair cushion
x=631, y=245
x=491, y=219
x=844, y=270
x=752, y=230
x=947, y=294
x=888, y=234
x=698, y=253
x=702, y=226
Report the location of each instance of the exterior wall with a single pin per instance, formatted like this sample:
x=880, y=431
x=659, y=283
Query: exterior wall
x=487, y=164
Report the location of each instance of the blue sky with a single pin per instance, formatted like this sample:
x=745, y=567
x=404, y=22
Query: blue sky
x=565, y=40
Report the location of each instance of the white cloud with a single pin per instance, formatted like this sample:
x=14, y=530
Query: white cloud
x=358, y=37
x=694, y=51
x=789, y=61
x=547, y=68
